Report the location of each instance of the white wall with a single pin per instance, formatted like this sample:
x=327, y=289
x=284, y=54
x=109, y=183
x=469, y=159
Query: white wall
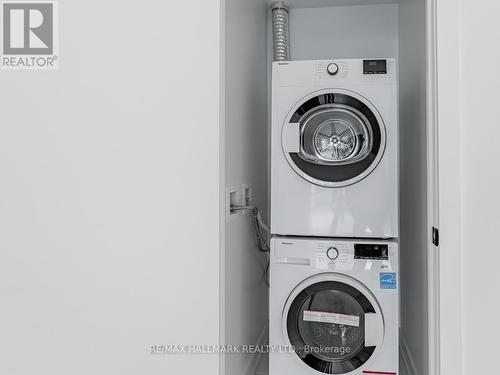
x=245, y=295
x=479, y=56
x=413, y=184
x=344, y=32
x=109, y=193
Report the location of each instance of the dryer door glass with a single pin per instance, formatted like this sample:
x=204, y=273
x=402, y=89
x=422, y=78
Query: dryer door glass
x=326, y=325
x=335, y=134
x=342, y=139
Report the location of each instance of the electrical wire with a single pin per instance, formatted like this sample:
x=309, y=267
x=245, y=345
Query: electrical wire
x=266, y=272
x=262, y=243
x=261, y=222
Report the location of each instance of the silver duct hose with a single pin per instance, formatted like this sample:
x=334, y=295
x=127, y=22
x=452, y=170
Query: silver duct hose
x=281, y=42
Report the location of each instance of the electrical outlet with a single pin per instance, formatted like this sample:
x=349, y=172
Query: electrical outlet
x=234, y=198
x=238, y=196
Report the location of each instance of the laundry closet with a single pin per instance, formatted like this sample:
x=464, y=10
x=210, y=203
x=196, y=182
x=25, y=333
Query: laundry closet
x=378, y=40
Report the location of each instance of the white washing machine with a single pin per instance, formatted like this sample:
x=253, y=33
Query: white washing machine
x=334, y=148
x=336, y=302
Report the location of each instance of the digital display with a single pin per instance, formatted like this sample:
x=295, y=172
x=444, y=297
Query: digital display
x=368, y=251
x=374, y=66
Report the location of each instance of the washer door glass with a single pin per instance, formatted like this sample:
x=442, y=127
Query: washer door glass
x=326, y=326
x=342, y=139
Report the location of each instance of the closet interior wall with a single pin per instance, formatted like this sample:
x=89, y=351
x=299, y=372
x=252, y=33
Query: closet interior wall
x=245, y=294
x=320, y=29
x=414, y=228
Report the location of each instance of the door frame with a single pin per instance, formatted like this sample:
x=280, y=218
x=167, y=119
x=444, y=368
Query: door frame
x=432, y=188
x=444, y=187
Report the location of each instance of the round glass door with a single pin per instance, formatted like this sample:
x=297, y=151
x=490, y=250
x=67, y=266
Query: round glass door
x=325, y=324
x=341, y=138
x=335, y=134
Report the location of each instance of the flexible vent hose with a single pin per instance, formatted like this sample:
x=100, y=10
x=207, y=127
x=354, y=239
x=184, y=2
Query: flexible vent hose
x=280, y=32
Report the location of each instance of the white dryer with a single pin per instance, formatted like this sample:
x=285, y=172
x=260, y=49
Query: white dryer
x=334, y=148
x=335, y=302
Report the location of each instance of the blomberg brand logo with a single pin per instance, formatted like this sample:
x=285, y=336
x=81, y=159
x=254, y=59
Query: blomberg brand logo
x=29, y=35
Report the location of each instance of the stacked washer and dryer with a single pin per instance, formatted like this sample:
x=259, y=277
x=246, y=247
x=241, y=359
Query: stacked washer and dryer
x=334, y=218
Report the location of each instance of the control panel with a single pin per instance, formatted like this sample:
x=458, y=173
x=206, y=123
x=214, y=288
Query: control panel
x=374, y=66
x=328, y=74
x=334, y=255
x=328, y=70
x=369, y=251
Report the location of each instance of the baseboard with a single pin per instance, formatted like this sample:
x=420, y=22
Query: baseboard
x=253, y=364
x=406, y=357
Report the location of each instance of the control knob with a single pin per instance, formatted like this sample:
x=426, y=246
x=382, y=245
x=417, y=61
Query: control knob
x=332, y=253
x=332, y=69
